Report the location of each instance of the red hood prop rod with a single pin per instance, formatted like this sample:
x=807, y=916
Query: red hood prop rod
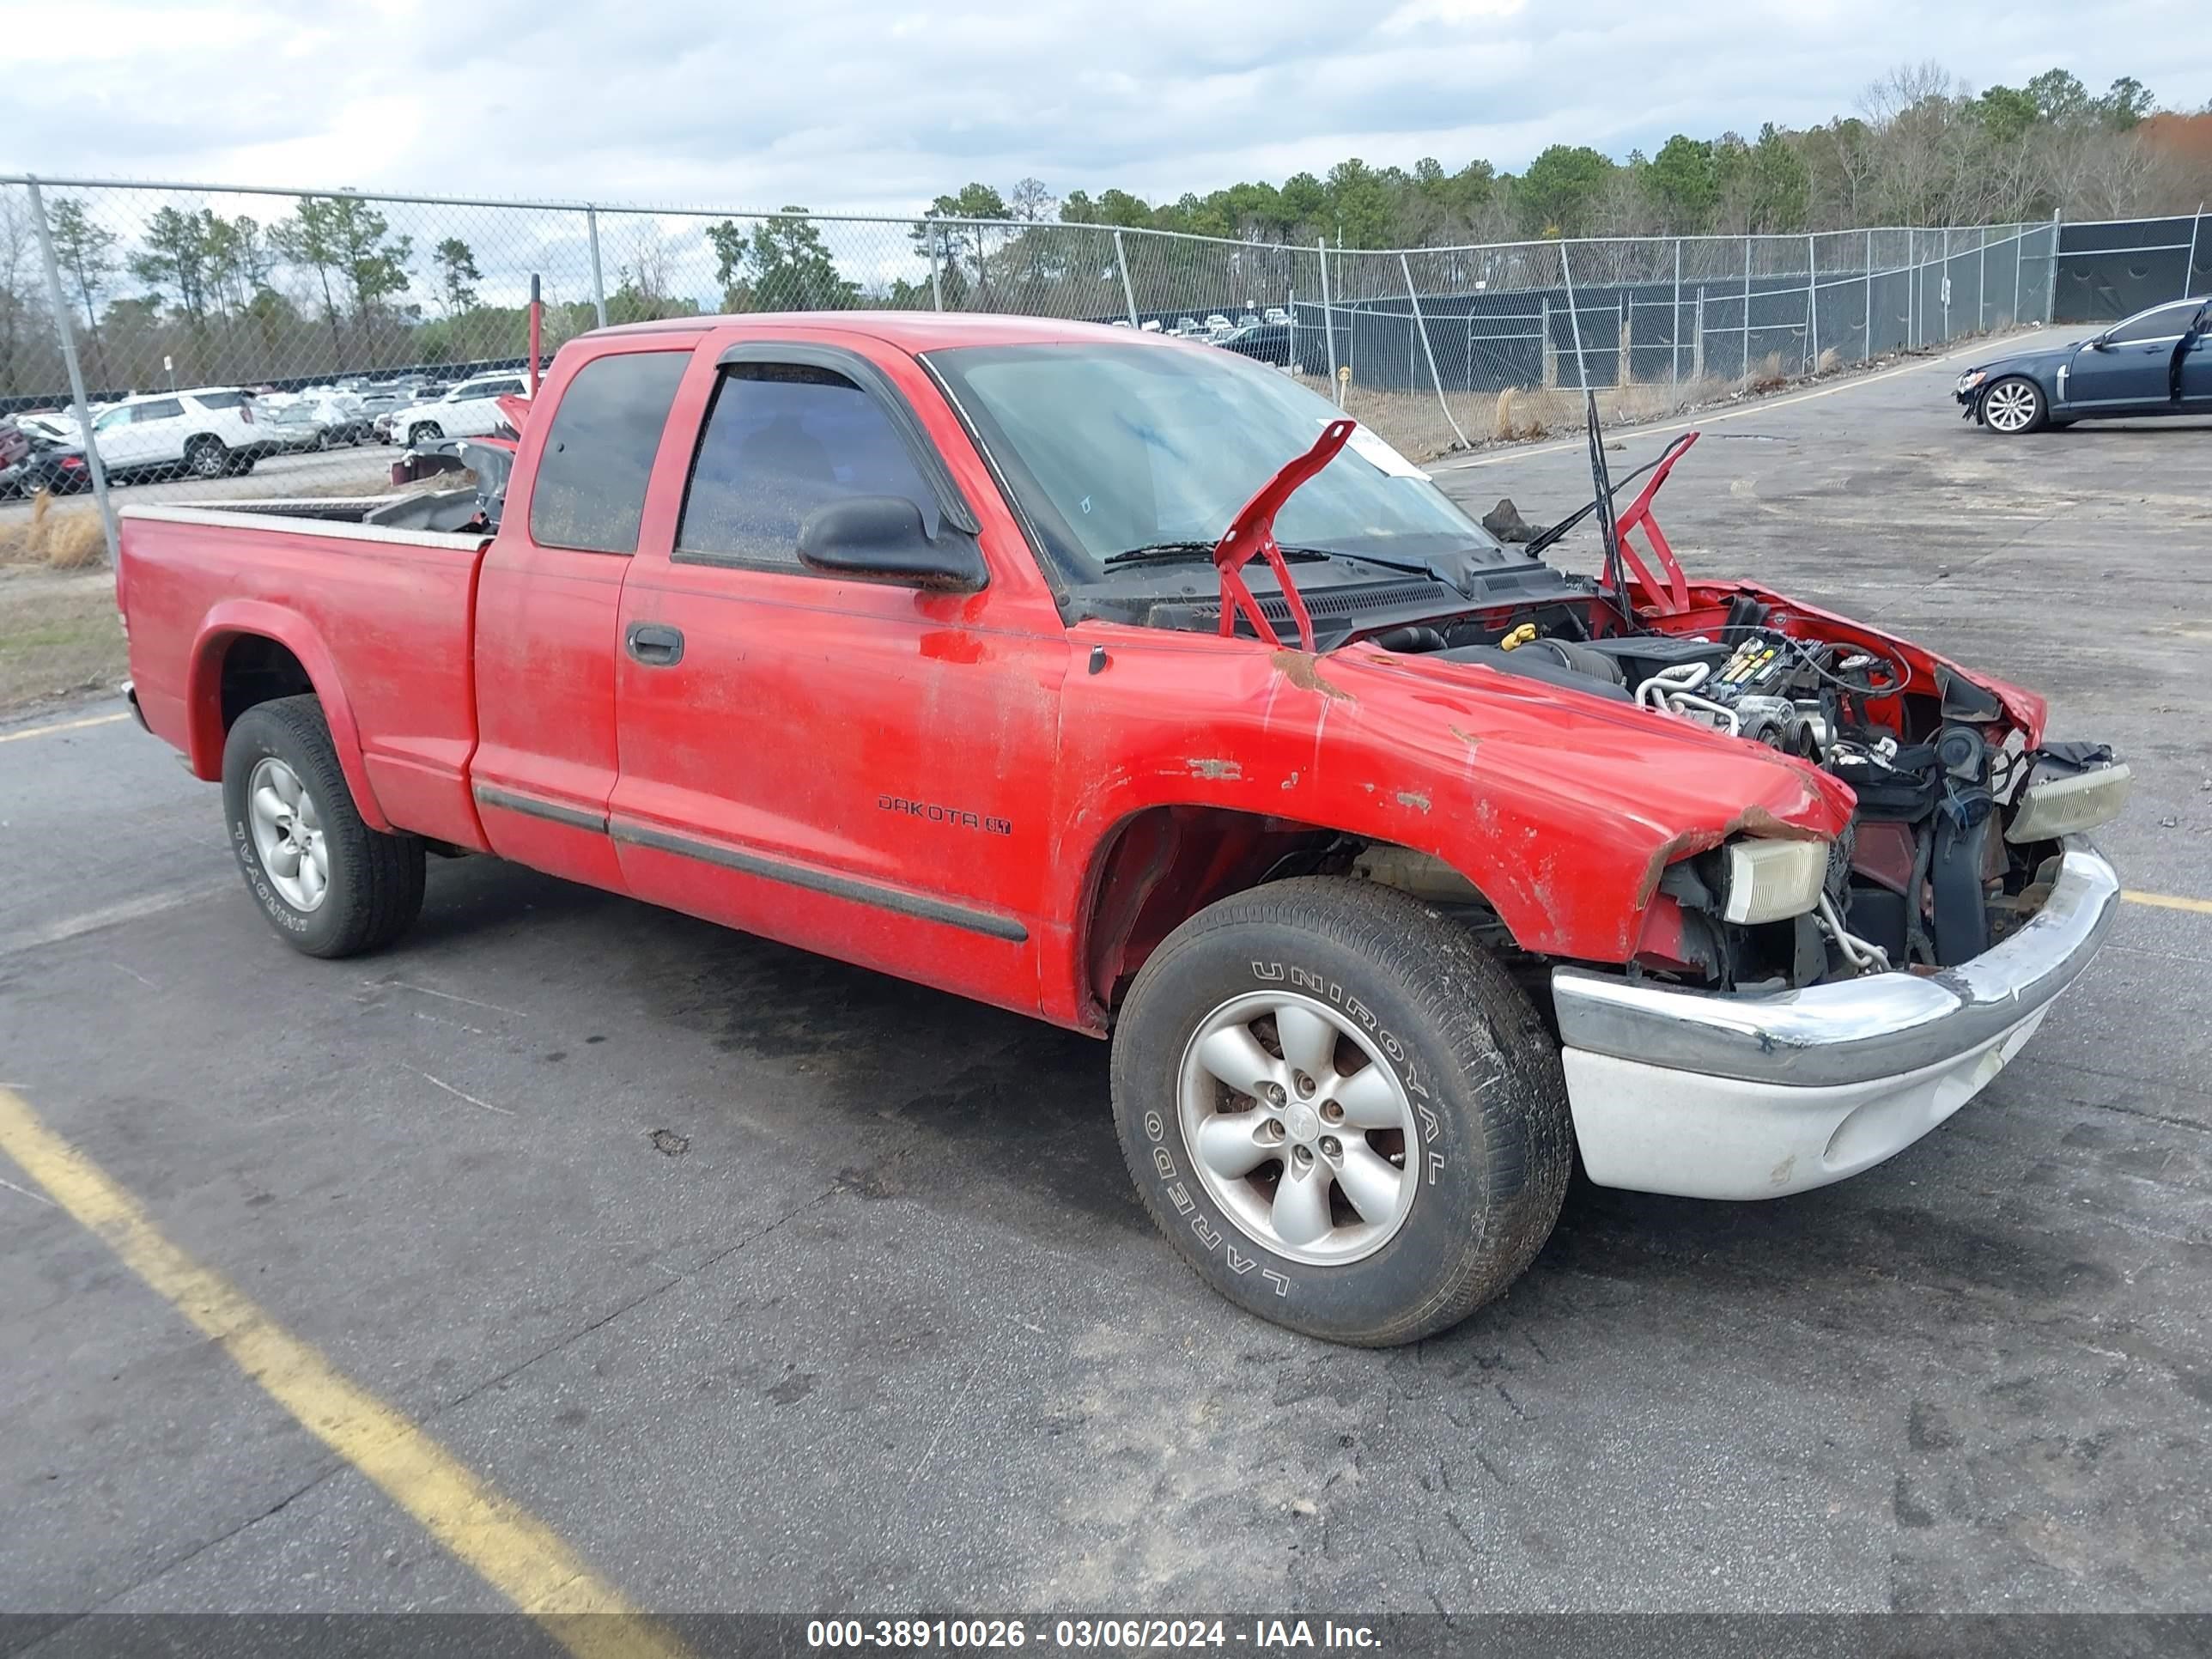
x=1252, y=535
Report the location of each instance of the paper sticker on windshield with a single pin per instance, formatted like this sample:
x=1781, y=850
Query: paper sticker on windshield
x=1377, y=453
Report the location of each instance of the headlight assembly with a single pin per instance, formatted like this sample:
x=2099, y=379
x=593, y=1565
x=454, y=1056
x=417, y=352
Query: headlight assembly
x=1769, y=880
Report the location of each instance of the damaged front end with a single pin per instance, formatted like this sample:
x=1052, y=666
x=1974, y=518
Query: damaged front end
x=1799, y=1009
x=1960, y=807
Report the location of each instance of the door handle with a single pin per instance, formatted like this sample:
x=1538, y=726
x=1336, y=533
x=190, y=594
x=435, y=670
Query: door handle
x=655, y=644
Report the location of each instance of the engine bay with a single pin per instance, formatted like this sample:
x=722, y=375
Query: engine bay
x=1955, y=837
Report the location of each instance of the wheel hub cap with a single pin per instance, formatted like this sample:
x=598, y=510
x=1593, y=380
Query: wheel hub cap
x=287, y=833
x=1297, y=1129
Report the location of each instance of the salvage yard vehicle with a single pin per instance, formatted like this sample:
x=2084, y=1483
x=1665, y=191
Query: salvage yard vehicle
x=2158, y=361
x=1123, y=682
x=207, y=432
x=470, y=410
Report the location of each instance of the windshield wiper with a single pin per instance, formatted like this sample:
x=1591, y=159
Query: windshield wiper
x=1182, y=552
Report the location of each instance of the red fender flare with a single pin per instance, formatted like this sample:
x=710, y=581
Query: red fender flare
x=239, y=618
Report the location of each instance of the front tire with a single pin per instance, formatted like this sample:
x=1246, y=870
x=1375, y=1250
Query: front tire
x=417, y=433
x=206, y=458
x=2013, y=405
x=329, y=884
x=1392, y=1144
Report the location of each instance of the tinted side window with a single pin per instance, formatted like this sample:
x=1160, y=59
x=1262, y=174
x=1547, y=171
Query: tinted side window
x=590, y=490
x=782, y=439
x=219, y=400
x=2165, y=322
x=166, y=409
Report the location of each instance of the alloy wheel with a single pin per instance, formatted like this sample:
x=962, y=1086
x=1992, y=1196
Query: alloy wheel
x=287, y=833
x=2010, y=407
x=1297, y=1129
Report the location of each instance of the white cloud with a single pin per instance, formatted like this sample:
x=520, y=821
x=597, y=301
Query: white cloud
x=879, y=104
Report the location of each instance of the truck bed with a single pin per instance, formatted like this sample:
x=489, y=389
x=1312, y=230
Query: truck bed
x=379, y=616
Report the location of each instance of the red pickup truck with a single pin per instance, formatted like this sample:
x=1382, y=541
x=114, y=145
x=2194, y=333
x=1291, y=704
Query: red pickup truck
x=1118, y=680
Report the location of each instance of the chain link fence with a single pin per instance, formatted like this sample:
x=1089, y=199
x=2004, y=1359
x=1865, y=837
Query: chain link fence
x=349, y=322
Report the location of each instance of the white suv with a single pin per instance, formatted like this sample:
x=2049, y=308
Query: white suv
x=470, y=410
x=207, y=432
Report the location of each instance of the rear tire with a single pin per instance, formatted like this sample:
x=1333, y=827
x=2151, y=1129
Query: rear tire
x=329, y=884
x=2013, y=405
x=1382, y=1216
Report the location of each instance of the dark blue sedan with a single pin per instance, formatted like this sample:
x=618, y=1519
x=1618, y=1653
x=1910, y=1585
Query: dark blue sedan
x=2156, y=362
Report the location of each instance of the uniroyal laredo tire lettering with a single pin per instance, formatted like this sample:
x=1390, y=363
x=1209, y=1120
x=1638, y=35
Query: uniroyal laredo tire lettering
x=1479, y=1095
x=279, y=912
x=1212, y=1237
x=1333, y=991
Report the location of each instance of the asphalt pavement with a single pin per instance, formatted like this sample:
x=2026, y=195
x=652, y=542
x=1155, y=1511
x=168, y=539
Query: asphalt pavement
x=771, y=1283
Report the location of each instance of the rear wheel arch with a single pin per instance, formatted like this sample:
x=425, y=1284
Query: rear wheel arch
x=249, y=653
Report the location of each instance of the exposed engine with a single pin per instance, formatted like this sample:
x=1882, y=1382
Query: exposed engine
x=1955, y=818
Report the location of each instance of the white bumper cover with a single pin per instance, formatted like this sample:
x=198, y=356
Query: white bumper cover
x=1754, y=1097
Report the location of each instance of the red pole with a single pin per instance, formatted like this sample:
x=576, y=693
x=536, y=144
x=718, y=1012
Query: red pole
x=537, y=331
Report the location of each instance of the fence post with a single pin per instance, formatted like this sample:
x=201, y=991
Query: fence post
x=599, y=282
x=1746, y=305
x=1867, y=355
x=1328, y=323
x=1698, y=351
x=936, y=289
x=1812, y=307
x=1547, y=372
x=1674, y=328
x=2051, y=276
x=65, y=328
x=2189, y=267
x=1945, y=291
x=1421, y=323
x=2019, y=236
x=1982, y=285
x=1128, y=293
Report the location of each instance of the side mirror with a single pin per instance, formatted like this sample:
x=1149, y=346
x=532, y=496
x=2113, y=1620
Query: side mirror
x=2101, y=343
x=881, y=538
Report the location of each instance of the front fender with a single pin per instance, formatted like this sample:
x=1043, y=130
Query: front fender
x=233, y=619
x=1562, y=809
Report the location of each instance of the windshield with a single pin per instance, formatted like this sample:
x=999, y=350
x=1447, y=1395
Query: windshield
x=1114, y=446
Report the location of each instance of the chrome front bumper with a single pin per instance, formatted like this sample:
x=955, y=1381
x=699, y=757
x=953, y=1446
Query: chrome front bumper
x=1748, y=1096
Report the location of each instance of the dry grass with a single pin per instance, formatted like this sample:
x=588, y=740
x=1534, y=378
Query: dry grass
x=1766, y=374
x=68, y=539
x=58, y=634
x=1414, y=422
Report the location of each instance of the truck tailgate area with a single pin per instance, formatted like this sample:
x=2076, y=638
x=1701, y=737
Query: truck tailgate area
x=379, y=619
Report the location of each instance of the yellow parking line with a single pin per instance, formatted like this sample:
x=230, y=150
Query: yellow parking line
x=515, y=1552
x=2167, y=902
x=63, y=726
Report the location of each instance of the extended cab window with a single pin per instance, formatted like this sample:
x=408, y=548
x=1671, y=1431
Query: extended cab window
x=781, y=440
x=589, y=488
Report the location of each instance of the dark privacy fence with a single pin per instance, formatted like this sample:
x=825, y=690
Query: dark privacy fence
x=1855, y=295
x=2114, y=268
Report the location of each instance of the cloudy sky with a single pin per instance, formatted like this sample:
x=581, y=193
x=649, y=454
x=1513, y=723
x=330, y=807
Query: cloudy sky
x=879, y=104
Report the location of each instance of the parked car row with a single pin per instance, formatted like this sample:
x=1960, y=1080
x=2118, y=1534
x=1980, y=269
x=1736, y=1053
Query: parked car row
x=470, y=409
x=214, y=432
